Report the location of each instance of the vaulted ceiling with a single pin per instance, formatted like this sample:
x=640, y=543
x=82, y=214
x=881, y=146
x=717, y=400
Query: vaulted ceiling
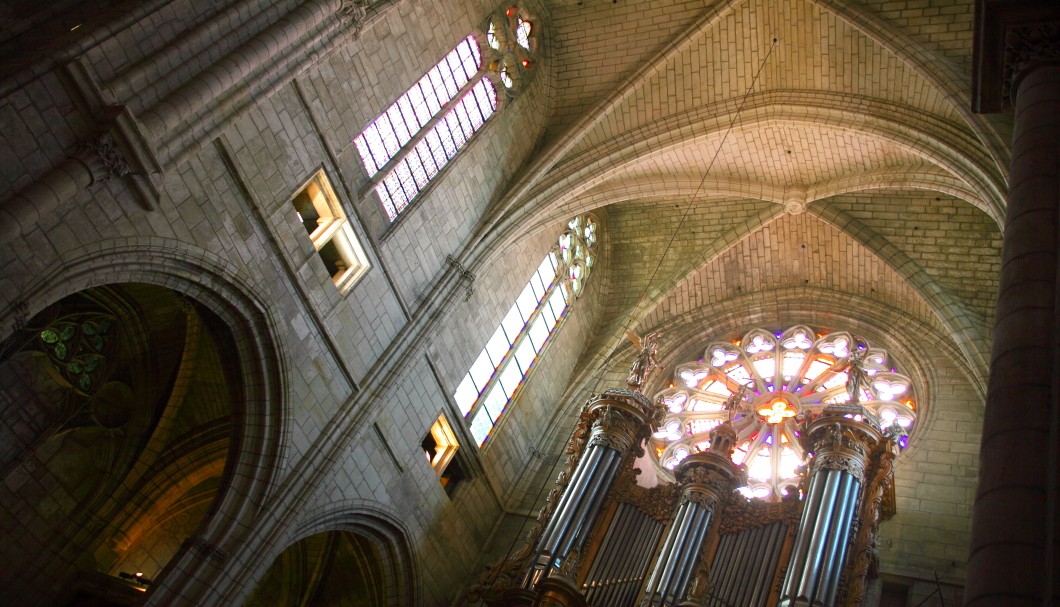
x=757, y=145
x=772, y=162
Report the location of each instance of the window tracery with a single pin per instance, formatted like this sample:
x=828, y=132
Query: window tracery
x=407, y=145
x=501, y=369
x=768, y=383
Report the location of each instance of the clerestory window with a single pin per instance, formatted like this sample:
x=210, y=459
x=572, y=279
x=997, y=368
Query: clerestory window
x=767, y=383
x=406, y=146
x=501, y=369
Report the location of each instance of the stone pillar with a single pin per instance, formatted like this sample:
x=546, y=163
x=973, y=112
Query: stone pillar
x=620, y=421
x=238, y=66
x=1013, y=559
x=707, y=481
x=841, y=447
x=95, y=161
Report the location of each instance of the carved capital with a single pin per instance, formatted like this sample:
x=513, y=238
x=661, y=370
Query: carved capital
x=622, y=420
x=708, y=479
x=103, y=159
x=1011, y=36
x=353, y=14
x=842, y=443
x=1028, y=46
x=742, y=515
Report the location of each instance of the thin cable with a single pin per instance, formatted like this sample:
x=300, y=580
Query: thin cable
x=699, y=188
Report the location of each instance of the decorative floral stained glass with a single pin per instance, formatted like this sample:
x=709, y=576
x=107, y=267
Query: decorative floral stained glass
x=77, y=349
x=775, y=380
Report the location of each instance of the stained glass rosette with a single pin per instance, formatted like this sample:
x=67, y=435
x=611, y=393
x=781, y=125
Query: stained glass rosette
x=776, y=380
x=577, y=252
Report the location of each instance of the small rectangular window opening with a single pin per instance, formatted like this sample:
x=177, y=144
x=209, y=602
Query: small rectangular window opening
x=440, y=446
x=318, y=210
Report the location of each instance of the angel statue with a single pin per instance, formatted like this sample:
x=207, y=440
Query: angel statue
x=645, y=362
x=856, y=376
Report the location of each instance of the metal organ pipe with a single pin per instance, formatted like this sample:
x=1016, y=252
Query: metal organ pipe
x=708, y=480
x=575, y=488
x=590, y=503
x=612, y=427
x=819, y=542
x=750, y=559
x=804, y=535
x=830, y=585
x=767, y=563
x=639, y=565
x=685, y=569
x=722, y=566
x=842, y=443
x=617, y=544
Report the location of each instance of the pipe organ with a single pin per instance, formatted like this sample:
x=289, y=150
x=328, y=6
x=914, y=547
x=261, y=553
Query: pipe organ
x=603, y=540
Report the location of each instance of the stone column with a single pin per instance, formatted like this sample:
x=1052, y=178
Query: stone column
x=841, y=447
x=707, y=481
x=1013, y=559
x=95, y=161
x=620, y=421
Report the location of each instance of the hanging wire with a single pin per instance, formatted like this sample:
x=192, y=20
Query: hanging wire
x=699, y=188
x=603, y=365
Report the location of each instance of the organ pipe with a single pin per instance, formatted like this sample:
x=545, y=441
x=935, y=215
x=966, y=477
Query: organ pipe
x=708, y=480
x=842, y=439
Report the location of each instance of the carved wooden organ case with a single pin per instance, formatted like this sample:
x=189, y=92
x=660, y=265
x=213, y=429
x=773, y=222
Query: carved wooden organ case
x=602, y=540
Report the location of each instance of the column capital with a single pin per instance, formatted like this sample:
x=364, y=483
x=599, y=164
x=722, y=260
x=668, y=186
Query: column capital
x=103, y=159
x=1011, y=38
x=621, y=419
x=842, y=443
x=708, y=479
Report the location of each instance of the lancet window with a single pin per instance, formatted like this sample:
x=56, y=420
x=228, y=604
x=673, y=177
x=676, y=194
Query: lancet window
x=502, y=367
x=406, y=146
x=767, y=383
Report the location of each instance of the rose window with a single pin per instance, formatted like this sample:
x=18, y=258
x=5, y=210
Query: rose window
x=768, y=384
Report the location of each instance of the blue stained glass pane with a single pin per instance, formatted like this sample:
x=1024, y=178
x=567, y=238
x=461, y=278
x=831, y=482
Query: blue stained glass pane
x=397, y=121
x=419, y=105
x=365, y=153
x=494, y=402
x=434, y=145
x=481, y=425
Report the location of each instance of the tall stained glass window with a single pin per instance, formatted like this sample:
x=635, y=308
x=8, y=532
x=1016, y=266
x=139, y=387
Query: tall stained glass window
x=406, y=146
x=771, y=382
x=502, y=367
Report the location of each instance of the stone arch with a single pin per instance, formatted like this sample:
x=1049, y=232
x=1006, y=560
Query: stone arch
x=896, y=331
x=257, y=440
x=363, y=539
